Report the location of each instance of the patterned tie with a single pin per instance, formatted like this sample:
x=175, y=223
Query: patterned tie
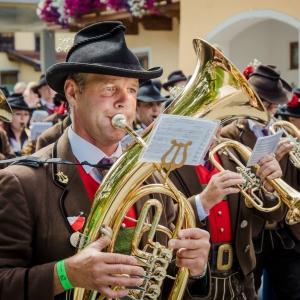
x=208, y=165
x=265, y=132
x=105, y=161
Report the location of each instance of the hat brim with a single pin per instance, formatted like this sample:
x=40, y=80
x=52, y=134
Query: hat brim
x=285, y=112
x=22, y=107
x=57, y=74
x=35, y=89
x=172, y=82
x=151, y=99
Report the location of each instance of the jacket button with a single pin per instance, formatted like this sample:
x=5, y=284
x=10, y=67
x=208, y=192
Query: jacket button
x=244, y=224
x=221, y=229
x=247, y=248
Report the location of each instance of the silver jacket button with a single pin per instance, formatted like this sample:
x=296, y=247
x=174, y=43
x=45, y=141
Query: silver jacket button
x=244, y=224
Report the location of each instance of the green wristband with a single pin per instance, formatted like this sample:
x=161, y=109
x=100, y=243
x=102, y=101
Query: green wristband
x=62, y=275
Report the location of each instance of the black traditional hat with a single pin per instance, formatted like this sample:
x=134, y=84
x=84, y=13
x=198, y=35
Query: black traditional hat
x=42, y=82
x=173, y=78
x=99, y=49
x=292, y=109
x=148, y=92
x=269, y=86
x=16, y=101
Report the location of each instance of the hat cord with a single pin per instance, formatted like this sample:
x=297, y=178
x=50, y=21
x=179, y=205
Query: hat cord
x=95, y=38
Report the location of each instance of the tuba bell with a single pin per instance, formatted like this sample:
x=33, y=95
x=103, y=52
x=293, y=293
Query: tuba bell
x=216, y=90
x=292, y=132
x=5, y=109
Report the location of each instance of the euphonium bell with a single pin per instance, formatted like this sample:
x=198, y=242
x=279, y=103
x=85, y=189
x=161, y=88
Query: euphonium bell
x=217, y=90
x=5, y=109
x=292, y=132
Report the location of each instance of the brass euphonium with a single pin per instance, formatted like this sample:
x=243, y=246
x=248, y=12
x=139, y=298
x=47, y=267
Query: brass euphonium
x=5, y=109
x=293, y=133
x=216, y=90
x=286, y=193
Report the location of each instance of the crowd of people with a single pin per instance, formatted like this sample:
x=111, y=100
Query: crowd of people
x=226, y=252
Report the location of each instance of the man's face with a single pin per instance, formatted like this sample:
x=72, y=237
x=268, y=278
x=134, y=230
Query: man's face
x=147, y=112
x=270, y=107
x=183, y=82
x=102, y=97
x=295, y=121
x=46, y=93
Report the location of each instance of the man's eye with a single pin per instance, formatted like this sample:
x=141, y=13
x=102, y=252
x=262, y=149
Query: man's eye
x=132, y=91
x=108, y=91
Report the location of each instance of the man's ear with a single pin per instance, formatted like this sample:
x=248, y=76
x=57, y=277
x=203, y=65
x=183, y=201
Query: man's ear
x=70, y=91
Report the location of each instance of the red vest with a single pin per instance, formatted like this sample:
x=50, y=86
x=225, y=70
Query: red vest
x=219, y=217
x=92, y=186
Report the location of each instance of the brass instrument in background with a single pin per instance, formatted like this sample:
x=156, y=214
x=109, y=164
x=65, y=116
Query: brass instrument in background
x=293, y=133
x=5, y=109
x=252, y=184
x=30, y=147
x=216, y=90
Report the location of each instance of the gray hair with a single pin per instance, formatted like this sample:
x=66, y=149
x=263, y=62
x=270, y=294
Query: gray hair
x=80, y=80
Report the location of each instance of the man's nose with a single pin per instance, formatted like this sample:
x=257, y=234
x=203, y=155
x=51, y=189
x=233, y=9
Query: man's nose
x=123, y=97
x=155, y=107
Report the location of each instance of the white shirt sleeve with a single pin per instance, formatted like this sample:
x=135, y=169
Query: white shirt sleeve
x=202, y=214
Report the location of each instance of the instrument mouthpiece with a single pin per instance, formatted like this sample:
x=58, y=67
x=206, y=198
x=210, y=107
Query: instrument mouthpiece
x=118, y=121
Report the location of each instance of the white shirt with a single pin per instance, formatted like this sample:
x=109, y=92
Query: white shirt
x=49, y=105
x=85, y=151
x=257, y=129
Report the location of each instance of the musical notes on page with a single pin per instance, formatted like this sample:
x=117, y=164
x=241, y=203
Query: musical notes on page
x=264, y=145
x=184, y=130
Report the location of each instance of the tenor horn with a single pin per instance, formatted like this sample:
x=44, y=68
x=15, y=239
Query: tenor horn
x=5, y=109
x=293, y=133
x=286, y=193
x=217, y=90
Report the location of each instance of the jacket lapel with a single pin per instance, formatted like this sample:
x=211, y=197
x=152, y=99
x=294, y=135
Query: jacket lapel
x=246, y=135
x=180, y=176
x=74, y=198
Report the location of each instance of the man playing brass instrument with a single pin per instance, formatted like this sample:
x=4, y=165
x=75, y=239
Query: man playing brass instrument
x=276, y=245
x=37, y=261
x=222, y=212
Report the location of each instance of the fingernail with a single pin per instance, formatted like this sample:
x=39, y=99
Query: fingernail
x=171, y=244
x=180, y=234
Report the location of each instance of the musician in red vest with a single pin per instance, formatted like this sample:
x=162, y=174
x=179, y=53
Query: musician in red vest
x=277, y=244
x=222, y=211
x=42, y=206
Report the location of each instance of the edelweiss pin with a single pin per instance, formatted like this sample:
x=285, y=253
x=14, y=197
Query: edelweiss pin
x=62, y=178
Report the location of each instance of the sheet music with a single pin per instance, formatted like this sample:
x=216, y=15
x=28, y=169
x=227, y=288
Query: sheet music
x=264, y=145
x=37, y=128
x=182, y=129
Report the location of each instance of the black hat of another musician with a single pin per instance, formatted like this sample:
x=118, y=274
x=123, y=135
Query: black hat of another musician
x=269, y=86
x=174, y=78
x=99, y=49
x=148, y=92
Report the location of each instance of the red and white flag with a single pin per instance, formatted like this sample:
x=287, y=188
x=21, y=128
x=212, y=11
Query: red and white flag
x=76, y=222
